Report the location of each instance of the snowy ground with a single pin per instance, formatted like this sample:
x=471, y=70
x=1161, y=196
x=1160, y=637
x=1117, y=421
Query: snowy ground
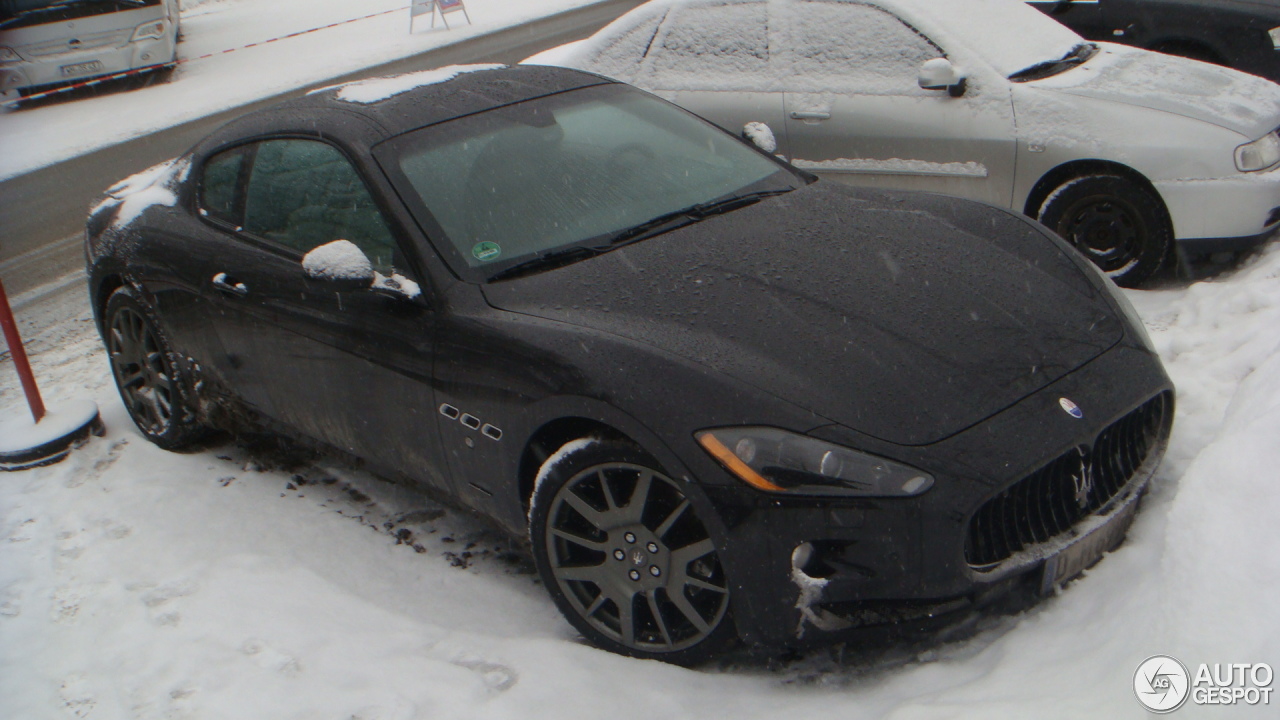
x=38, y=136
x=136, y=583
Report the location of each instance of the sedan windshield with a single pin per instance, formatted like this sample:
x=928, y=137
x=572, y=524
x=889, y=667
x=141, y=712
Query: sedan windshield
x=558, y=179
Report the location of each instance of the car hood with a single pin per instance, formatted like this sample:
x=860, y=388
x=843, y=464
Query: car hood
x=1227, y=98
x=907, y=317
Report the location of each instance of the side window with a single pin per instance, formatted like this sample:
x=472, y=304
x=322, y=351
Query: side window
x=856, y=48
x=304, y=193
x=219, y=184
x=712, y=47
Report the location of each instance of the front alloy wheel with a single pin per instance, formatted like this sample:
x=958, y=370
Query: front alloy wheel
x=627, y=559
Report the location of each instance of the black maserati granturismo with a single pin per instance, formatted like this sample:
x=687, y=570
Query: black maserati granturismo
x=723, y=401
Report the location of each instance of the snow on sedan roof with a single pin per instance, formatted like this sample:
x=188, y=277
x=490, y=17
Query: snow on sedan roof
x=1009, y=34
x=376, y=89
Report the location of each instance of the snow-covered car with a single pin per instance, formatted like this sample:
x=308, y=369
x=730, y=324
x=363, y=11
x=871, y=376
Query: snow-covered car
x=1120, y=150
x=722, y=398
x=45, y=43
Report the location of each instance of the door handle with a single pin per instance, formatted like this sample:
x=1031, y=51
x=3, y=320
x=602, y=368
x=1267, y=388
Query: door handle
x=809, y=115
x=222, y=284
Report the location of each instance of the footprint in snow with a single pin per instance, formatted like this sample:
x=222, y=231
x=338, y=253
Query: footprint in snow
x=270, y=658
x=495, y=676
x=77, y=696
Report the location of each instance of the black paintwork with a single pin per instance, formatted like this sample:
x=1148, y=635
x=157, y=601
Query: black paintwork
x=1227, y=32
x=935, y=331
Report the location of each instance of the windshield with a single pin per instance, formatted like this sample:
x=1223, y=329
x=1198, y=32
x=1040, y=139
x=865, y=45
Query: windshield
x=1011, y=36
x=572, y=172
x=25, y=13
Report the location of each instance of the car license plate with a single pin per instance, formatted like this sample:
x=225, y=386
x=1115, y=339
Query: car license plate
x=1087, y=550
x=83, y=68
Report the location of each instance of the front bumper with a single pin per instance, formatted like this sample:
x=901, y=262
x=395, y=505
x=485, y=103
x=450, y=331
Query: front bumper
x=82, y=65
x=1223, y=213
x=891, y=562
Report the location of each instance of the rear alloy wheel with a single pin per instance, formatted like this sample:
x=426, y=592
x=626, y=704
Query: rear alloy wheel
x=1119, y=226
x=144, y=371
x=626, y=558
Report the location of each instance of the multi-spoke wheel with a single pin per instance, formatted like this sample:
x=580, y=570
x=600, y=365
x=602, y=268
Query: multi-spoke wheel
x=626, y=557
x=1121, y=227
x=145, y=375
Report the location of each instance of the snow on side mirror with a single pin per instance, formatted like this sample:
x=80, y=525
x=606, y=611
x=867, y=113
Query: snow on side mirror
x=339, y=264
x=940, y=74
x=761, y=136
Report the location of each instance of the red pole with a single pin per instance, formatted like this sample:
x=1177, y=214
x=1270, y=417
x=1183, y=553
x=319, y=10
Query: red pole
x=20, y=357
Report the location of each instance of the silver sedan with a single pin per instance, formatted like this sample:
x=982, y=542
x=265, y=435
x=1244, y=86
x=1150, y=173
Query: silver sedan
x=1127, y=153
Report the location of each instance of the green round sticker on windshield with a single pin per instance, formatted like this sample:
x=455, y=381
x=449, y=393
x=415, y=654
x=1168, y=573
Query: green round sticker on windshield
x=485, y=251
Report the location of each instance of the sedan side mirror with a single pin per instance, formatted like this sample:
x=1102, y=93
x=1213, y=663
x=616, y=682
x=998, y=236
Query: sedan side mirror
x=940, y=74
x=340, y=265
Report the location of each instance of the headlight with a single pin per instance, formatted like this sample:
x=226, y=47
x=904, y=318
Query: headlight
x=1275, y=37
x=784, y=462
x=150, y=31
x=7, y=55
x=1259, y=154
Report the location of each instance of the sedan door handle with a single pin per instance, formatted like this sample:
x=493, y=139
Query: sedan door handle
x=221, y=283
x=809, y=115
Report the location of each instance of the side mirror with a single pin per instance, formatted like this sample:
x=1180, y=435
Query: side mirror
x=341, y=265
x=940, y=74
x=761, y=136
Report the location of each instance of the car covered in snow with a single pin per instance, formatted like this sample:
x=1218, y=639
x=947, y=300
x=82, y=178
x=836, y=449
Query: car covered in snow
x=46, y=43
x=723, y=399
x=1127, y=153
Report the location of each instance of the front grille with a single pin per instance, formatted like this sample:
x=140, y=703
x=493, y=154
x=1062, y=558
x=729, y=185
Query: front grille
x=1079, y=482
x=88, y=41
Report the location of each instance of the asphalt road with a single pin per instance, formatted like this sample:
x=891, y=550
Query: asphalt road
x=42, y=212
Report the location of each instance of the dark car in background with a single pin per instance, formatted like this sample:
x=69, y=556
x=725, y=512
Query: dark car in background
x=1240, y=34
x=722, y=400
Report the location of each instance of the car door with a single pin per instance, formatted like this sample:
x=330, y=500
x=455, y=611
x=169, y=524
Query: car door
x=351, y=368
x=856, y=113
x=715, y=59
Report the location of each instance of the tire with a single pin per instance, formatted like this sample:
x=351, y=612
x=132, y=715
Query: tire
x=1120, y=226
x=626, y=558
x=144, y=367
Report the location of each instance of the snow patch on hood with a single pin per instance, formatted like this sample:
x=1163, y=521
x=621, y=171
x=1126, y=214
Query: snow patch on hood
x=374, y=90
x=1227, y=98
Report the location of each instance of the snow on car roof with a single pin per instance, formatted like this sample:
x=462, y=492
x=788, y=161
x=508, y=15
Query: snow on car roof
x=377, y=89
x=1008, y=34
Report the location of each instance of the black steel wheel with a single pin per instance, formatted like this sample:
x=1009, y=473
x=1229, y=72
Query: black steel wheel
x=626, y=557
x=1118, y=225
x=143, y=367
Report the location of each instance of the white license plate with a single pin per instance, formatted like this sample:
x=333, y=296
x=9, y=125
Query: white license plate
x=1083, y=553
x=83, y=68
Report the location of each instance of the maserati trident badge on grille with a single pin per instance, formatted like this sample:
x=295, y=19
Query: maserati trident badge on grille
x=1083, y=482
x=1071, y=408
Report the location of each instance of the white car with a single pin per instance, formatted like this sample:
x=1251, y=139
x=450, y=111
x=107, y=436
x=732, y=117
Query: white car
x=1120, y=150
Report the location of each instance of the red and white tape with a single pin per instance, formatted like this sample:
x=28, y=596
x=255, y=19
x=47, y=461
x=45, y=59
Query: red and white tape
x=182, y=61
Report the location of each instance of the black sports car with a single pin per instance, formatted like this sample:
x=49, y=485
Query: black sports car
x=722, y=400
x=1240, y=34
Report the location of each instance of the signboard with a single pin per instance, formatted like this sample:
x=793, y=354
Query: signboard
x=444, y=7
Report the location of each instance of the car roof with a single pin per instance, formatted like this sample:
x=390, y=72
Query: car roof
x=368, y=111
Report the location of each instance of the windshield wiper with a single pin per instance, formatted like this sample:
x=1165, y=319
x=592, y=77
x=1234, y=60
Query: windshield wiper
x=663, y=223
x=1079, y=54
